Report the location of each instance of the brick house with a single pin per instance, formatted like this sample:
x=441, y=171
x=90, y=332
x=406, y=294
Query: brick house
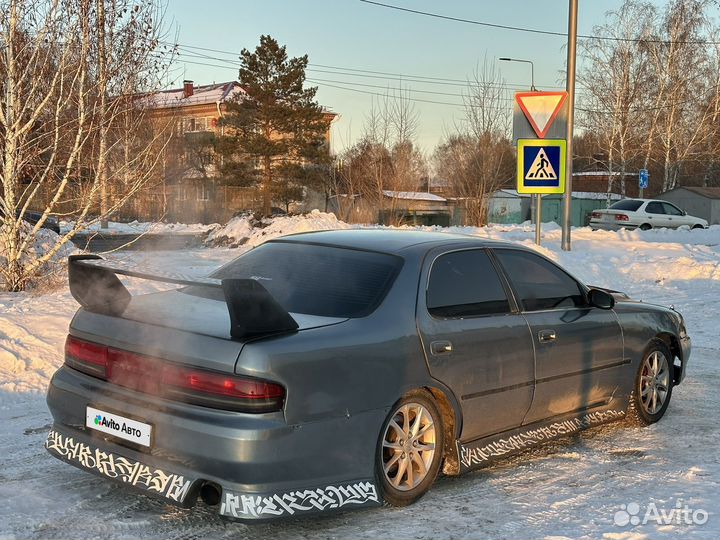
x=191, y=190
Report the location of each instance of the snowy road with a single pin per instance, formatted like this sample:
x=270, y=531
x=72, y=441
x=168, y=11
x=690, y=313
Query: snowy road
x=569, y=488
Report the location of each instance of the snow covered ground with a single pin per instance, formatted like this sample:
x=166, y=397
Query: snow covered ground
x=138, y=227
x=570, y=488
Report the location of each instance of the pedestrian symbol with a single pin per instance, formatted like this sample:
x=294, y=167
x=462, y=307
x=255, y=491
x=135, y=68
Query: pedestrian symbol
x=541, y=165
x=541, y=168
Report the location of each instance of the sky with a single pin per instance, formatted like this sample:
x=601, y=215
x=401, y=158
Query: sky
x=341, y=37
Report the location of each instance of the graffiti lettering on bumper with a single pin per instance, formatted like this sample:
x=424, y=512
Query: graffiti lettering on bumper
x=170, y=485
x=251, y=506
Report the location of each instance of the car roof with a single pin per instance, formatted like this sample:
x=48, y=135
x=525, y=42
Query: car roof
x=388, y=240
x=641, y=200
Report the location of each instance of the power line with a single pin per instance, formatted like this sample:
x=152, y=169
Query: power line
x=366, y=73
x=408, y=89
x=333, y=84
x=535, y=30
x=459, y=105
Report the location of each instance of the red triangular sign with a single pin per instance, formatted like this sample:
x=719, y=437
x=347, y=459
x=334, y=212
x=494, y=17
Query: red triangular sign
x=541, y=109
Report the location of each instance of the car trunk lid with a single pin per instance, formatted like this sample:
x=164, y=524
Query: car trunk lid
x=177, y=326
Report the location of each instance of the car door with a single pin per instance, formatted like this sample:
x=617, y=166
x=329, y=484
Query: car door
x=578, y=348
x=475, y=340
x=675, y=216
x=656, y=214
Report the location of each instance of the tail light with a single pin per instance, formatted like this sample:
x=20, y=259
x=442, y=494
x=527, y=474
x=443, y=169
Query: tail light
x=164, y=379
x=622, y=217
x=596, y=215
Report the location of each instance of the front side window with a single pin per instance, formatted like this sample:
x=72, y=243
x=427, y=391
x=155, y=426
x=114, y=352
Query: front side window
x=465, y=284
x=539, y=283
x=671, y=209
x=655, y=208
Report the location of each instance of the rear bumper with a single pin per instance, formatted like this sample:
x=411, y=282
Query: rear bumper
x=262, y=467
x=611, y=226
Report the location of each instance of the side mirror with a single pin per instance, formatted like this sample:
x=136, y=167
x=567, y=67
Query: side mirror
x=601, y=299
x=684, y=213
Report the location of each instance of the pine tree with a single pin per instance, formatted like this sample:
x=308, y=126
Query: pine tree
x=276, y=128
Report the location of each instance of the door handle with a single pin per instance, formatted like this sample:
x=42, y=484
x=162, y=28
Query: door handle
x=440, y=347
x=545, y=336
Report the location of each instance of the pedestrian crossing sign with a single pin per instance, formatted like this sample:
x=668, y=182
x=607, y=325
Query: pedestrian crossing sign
x=541, y=165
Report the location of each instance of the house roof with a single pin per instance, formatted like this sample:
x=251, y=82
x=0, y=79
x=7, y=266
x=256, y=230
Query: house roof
x=708, y=192
x=414, y=196
x=202, y=95
x=208, y=94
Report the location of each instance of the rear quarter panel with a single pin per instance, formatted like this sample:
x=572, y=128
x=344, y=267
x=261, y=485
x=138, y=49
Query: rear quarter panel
x=360, y=365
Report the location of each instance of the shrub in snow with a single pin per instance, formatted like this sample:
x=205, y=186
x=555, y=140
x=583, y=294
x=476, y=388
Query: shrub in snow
x=44, y=242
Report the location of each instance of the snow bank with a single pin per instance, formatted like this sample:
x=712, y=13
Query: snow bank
x=247, y=231
x=140, y=227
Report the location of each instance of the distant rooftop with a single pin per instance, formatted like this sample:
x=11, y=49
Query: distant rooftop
x=207, y=94
x=414, y=196
x=709, y=192
x=201, y=95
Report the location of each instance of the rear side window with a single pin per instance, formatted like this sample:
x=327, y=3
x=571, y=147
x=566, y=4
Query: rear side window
x=627, y=204
x=318, y=280
x=465, y=284
x=539, y=283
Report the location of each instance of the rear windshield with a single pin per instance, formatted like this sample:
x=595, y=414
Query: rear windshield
x=626, y=204
x=318, y=280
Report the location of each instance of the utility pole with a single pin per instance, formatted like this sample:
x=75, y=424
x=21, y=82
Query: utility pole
x=570, y=87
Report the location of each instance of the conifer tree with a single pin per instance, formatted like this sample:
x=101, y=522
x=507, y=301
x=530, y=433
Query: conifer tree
x=276, y=128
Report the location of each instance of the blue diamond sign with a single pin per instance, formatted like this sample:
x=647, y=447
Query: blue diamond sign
x=541, y=165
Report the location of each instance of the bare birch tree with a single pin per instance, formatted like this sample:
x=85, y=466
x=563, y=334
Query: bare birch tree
x=70, y=72
x=386, y=161
x=478, y=159
x=650, y=96
x=615, y=74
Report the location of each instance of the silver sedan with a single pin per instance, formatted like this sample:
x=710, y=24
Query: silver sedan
x=643, y=214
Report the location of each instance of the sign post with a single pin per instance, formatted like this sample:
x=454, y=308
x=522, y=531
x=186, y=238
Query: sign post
x=644, y=180
x=541, y=161
x=570, y=87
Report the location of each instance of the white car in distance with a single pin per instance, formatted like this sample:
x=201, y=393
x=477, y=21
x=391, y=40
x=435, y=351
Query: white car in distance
x=643, y=214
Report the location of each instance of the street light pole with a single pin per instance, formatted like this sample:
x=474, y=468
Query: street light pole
x=532, y=69
x=567, y=198
x=535, y=200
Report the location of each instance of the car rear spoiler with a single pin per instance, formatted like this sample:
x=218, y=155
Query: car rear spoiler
x=253, y=310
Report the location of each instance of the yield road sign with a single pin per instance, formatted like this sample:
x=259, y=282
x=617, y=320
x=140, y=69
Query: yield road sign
x=541, y=165
x=541, y=109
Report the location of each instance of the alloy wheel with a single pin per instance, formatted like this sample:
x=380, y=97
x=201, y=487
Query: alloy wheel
x=654, y=382
x=408, y=446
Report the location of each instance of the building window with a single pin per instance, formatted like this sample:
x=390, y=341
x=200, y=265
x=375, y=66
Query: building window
x=192, y=124
x=203, y=192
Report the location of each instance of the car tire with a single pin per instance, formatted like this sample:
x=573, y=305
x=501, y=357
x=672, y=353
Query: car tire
x=697, y=226
x=652, y=384
x=645, y=227
x=410, y=448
